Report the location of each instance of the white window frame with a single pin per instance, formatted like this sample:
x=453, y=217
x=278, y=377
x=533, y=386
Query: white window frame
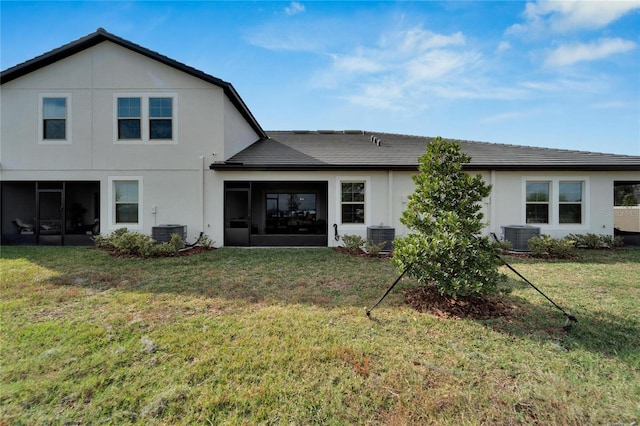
x=68, y=127
x=548, y=203
x=346, y=227
x=554, y=202
x=581, y=202
x=112, y=202
x=145, y=119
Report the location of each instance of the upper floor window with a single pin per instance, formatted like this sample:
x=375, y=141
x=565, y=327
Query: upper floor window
x=352, y=202
x=160, y=118
x=54, y=114
x=129, y=117
x=55, y=118
x=143, y=118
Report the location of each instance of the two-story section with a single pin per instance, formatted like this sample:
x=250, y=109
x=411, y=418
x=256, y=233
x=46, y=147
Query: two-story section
x=102, y=133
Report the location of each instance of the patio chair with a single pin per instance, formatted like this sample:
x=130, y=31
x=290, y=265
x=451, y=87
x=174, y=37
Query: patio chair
x=23, y=227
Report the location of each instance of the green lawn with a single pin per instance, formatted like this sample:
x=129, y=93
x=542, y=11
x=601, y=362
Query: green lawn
x=280, y=336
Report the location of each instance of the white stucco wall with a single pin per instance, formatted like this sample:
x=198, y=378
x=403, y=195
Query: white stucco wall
x=508, y=200
x=387, y=192
x=171, y=170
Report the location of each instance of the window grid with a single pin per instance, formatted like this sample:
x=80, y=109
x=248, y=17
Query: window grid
x=129, y=117
x=538, y=196
x=352, y=202
x=54, y=118
x=126, y=202
x=570, y=202
x=160, y=118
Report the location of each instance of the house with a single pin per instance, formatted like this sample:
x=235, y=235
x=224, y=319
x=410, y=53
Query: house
x=102, y=133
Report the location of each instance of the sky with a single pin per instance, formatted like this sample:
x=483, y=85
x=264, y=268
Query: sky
x=562, y=74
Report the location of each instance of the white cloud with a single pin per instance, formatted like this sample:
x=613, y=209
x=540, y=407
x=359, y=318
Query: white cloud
x=612, y=105
x=503, y=46
x=499, y=118
x=562, y=16
x=401, y=69
x=357, y=63
x=294, y=8
x=570, y=54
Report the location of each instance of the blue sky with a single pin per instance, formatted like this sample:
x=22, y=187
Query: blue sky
x=553, y=74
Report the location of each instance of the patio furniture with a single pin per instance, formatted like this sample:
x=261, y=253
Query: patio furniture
x=23, y=227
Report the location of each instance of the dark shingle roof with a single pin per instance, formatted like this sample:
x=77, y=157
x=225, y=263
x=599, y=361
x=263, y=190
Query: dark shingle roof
x=355, y=150
x=102, y=35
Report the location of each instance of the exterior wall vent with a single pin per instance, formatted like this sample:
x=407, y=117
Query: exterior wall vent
x=519, y=235
x=162, y=233
x=378, y=234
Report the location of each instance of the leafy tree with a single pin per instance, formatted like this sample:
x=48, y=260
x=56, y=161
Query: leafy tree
x=444, y=247
x=629, y=200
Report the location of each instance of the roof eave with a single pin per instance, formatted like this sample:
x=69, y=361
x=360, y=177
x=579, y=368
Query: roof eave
x=414, y=167
x=307, y=167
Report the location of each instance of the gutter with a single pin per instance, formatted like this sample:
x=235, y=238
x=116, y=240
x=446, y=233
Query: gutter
x=239, y=166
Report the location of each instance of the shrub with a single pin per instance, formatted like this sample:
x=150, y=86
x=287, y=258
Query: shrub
x=353, y=243
x=374, y=249
x=205, y=241
x=176, y=242
x=127, y=243
x=593, y=241
x=547, y=246
x=132, y=243
x=612, y=241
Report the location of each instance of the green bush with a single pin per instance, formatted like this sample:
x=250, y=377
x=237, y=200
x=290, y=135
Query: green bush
x=612, y=241
x=593, y=241
x=126, y=243
x=205, y=241
x=547, y=246
x=132, y=244
x=353, y=243
x=374, y=249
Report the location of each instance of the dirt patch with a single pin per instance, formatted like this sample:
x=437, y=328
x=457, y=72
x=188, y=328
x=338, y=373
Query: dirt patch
x=427, y=299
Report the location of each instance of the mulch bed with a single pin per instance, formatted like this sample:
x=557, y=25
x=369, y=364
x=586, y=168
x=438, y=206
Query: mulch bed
x=427, y=299
x=360, y=253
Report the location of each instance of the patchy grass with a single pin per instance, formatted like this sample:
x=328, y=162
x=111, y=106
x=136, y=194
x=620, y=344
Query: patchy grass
x=280, y=336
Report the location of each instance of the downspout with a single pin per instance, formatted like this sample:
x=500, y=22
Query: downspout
x=390, y=198
x=492, y=205
x=202, y=176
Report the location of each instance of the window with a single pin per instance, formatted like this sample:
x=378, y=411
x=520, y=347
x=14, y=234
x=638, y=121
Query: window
x=142, y=118
x=570, y=202
x=352, y=202
x=558, y=202
x=537, y=209
x=291, y=213
x=129, y=117
x=126, y=202
x=54, y=118
x=160, y=118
